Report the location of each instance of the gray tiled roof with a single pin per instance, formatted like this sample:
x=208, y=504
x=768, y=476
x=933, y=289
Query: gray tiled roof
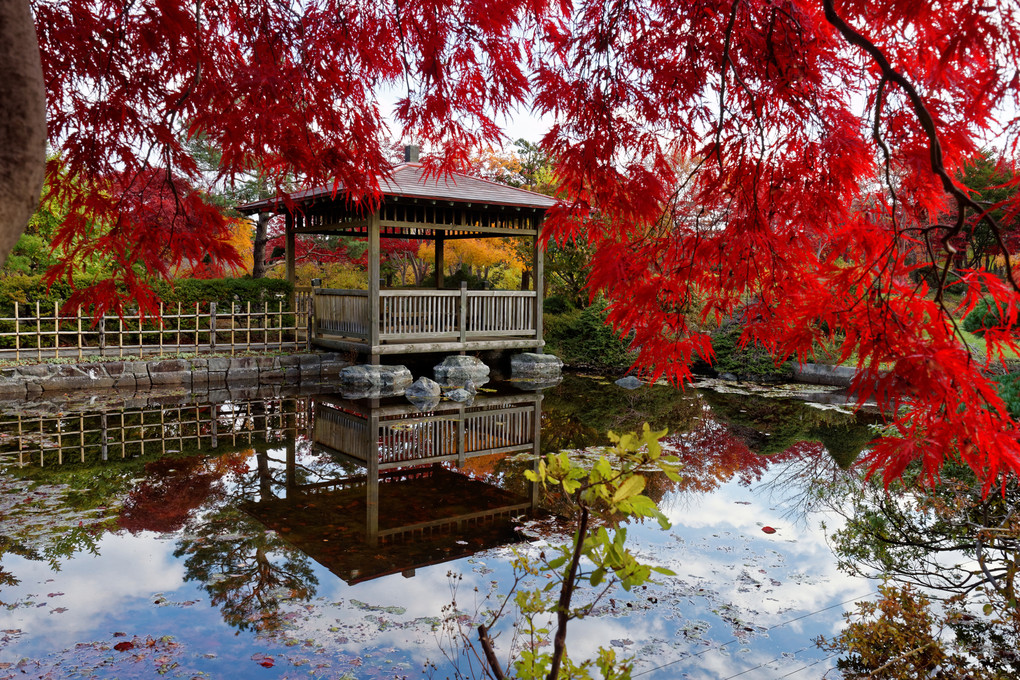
x=408, y=180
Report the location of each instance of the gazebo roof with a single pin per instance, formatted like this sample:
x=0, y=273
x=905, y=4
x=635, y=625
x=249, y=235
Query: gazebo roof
x=409, y=181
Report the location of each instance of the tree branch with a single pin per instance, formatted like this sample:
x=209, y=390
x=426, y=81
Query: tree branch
x=928, y=126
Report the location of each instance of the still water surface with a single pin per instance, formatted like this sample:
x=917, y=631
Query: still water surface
x=241, y=535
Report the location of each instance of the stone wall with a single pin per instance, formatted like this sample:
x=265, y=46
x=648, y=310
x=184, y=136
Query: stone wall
x=198, y=373
x=822, y=374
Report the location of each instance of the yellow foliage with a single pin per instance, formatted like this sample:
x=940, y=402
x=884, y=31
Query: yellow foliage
x=333, y=275
x=474, y=252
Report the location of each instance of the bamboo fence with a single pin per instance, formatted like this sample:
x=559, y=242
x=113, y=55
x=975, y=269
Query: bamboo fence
x=31, y=333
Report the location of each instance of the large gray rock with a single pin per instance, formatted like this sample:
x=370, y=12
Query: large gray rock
x=458, y=370
x=358, y=382
x=629, y=383
x=529, y=366
x=423, y=388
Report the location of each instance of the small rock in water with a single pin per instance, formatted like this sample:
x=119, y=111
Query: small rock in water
x=629, y=383
x=423, y=388
x=459, y=394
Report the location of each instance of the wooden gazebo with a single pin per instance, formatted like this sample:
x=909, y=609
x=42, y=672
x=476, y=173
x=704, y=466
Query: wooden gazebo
x=382, y=321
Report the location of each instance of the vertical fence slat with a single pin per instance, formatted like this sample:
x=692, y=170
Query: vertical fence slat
x=38, y=331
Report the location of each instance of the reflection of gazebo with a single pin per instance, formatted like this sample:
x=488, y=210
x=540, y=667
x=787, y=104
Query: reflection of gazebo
x=402, y=321
x=393, y=436
x=361, y=529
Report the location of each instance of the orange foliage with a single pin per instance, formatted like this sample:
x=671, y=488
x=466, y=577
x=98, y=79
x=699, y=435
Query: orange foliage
x=240, y=240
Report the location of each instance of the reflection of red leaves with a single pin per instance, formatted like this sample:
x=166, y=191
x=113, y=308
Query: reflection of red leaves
x=170, y=492
x=124, y=646
x=768, y=530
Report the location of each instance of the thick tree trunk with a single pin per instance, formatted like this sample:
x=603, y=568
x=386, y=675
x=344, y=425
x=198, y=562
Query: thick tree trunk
x=22, y=122
x=258, y=267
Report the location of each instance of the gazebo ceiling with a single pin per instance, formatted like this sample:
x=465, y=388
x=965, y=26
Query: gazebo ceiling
x=417, y=206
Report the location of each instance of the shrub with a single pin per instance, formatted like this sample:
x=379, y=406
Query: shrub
x=557, y=304
x=27, y=290
x=582, y=338
x=752, y=362
x=984, y=315
x=1009, y=390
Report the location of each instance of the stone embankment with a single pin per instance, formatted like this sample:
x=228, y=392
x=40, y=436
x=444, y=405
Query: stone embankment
x=190, y=373
x=822, y=374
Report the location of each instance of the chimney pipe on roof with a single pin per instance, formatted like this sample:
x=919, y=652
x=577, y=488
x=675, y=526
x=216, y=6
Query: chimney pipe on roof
x=411, y=153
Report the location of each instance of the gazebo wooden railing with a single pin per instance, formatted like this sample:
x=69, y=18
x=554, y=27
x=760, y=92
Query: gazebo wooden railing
x=426, y=320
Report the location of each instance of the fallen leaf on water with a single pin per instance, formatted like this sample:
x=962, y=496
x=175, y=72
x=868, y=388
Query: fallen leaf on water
x=263, y=660
x=768, y=530
x=123, y=646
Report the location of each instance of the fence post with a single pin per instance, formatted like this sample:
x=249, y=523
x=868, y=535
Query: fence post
x=38, y=331
x=310, y=319
x=56, y=328
x=212, y=326
x=463, y=312
x=102, y=335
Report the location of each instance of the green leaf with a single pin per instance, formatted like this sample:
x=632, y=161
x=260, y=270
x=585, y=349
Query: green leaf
x=630, y=487
x=558, y=562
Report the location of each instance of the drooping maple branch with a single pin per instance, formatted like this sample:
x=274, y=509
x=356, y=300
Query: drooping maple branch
x=927, y=123
x=726, y=63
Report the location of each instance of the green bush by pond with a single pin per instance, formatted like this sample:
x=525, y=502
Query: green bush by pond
x=27, y=290
x=582, y=339
x=984, y=315
x=752, y=362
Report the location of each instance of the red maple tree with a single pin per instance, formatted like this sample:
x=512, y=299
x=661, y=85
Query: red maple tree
x=713, y=153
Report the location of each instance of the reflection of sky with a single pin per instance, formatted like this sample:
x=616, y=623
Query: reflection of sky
x=98, y=594
x=742, y=603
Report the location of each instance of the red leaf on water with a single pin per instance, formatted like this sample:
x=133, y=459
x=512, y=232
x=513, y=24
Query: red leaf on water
x=263, y=660
x=768, y=530
x=123, y=646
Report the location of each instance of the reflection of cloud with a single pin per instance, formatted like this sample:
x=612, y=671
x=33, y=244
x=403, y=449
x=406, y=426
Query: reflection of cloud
x=94, y=590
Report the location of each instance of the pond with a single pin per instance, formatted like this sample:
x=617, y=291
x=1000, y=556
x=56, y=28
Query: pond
x=250, y=534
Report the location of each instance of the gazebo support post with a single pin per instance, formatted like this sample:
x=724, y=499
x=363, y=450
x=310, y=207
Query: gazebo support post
x=288, y=243
x=374, y=309
x=537, y=267
x=440, y=264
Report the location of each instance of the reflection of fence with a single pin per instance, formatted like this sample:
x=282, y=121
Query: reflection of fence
x=202, y=327
x=130, y=433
